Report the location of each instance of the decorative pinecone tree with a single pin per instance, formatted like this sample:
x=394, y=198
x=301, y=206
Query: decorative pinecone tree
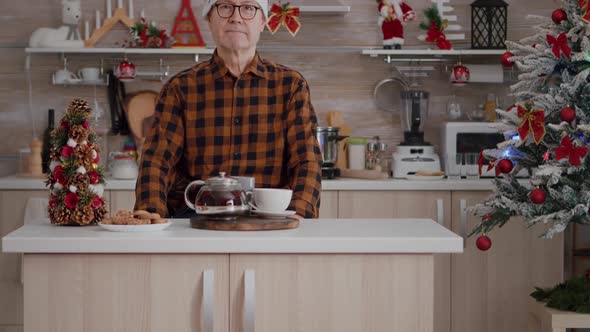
x=75, y=181
x=547, y=131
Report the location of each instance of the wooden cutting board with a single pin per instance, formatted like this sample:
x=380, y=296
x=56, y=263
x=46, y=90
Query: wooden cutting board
x=140, y=110
x=244, y=224
x=363, y=174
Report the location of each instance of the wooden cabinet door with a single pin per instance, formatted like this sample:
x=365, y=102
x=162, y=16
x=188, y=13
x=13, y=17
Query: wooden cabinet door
x=135, y=292
x=329, y=204
x=122, y=200
x=490, y=290
x=331, y=293
x=435, y=205
x=12, y=213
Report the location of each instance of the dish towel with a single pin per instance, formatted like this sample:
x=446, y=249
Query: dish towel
x=35, y=213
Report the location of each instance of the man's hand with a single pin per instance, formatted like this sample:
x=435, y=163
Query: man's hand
x=295, y=216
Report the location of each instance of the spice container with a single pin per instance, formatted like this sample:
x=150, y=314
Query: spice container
x=374, y=153
x=356, y=153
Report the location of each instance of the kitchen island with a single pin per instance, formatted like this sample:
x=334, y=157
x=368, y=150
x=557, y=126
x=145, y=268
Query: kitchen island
x=327, y=275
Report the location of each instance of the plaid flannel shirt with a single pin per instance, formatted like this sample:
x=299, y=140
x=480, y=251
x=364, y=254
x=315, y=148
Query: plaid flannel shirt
x=208, y=121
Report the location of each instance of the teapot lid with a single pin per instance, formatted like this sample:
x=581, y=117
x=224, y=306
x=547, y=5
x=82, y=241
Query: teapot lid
x=222, y=181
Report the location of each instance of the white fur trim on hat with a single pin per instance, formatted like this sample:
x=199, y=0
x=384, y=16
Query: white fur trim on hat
x=209, y=3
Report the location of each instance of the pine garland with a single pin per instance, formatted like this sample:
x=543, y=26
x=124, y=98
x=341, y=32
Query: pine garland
x=432, y=14
x=571, y=295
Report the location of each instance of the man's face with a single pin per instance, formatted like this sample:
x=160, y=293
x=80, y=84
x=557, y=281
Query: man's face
x=235, y=32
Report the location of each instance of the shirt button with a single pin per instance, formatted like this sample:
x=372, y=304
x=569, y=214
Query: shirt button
x=236, y=155
x=237, y=120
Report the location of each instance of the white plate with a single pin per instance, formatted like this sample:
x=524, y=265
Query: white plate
x=134, y=228
x=274, y=215
x=425, y=177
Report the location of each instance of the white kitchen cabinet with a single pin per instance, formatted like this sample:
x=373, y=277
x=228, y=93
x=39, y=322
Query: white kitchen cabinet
x=329, y=204
x=136, y=292
x=330, y=293
x=12, y=212
x=490, y=290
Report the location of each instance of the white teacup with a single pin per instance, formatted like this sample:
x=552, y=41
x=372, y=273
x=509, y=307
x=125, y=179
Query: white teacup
x=271, y=199
x=64, y=76
x=90, y=74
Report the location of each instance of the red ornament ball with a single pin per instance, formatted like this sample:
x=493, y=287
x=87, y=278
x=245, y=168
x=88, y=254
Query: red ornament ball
x=504, y=59
x=568, y=114
x=483, y=243
x=505, y=166
x=538, y=196
x=558, y=16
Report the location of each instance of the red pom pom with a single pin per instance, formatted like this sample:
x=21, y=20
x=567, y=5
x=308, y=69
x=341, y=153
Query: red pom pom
x=67, y=151
x=85, y=124
x=538, y=196
x=558, y=16
x=568, y=114
x=96, y=202
x=71, y=200
x=504, y=59
x=505, y=166
x=94, y=178
x=483, y=243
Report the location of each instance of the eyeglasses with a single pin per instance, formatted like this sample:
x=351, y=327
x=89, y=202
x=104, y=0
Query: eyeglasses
x=226, y=10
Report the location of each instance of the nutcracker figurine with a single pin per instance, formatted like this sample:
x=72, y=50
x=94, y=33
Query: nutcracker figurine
x=391, y=15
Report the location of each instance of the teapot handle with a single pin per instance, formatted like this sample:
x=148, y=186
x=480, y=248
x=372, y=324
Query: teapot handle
x=194, y=183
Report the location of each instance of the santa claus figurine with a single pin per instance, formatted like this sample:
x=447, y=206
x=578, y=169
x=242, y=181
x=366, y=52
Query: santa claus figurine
x=391, y=15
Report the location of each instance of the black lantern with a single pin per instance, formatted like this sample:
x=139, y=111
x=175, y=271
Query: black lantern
x=489, y=21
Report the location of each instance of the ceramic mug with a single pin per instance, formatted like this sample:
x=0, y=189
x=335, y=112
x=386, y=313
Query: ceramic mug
x=271, y=199
x=459, y=75
x=90, y=74
x=64, y=76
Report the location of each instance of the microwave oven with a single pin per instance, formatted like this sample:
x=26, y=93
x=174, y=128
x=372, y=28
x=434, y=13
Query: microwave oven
x=471, y=137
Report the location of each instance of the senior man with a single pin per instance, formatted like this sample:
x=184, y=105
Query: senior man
x=235, y=113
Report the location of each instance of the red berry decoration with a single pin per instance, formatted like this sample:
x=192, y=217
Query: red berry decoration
x=538, y=196
x=558, y=16
x=568, y=114
x=505, y=166
x=483, y=243
x=504, y=59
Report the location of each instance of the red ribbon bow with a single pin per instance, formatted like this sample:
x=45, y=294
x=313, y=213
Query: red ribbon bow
x=584, y=10
x=285, y=15
x=567, y=149
x=559, y=45
x=532, y=120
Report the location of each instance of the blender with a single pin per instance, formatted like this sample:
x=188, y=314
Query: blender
x=414, y=154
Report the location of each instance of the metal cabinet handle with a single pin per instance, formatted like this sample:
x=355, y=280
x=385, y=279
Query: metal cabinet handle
x=463, y=207
x=440, y=212
x=249, y=301
x=208, y=301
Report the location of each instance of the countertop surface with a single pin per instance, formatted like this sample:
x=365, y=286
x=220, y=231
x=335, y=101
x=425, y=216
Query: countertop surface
x=17, y=183
x=312, y=236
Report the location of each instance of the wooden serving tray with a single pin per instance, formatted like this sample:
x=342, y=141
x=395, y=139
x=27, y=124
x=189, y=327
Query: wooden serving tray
x=244, y=224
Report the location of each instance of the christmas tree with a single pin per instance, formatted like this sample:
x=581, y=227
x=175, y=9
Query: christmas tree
x=75, y=181
x=548, y=130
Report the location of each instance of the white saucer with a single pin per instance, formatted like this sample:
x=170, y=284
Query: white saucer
x=274, y=215
x=134, y=228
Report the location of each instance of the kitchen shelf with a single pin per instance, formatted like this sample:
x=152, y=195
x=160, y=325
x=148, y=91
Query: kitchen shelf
x=433, y=55
x=109, y=50
x=325, y=10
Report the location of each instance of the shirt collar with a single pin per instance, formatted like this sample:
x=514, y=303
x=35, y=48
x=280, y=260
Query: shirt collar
x=255, y=67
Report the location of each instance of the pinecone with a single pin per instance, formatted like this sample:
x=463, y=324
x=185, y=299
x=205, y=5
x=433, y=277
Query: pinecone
x=100, y=213
x=80, y=181
x=83, y=154
x=54, y=154
x=79, y=106
x=79, y=134
x=61, y=216
x=83, y=215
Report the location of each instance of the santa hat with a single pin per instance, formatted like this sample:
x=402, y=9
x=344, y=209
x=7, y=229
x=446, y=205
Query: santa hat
x=262, y=3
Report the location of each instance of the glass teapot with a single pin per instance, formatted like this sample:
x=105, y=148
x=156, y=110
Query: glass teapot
x=220, y=197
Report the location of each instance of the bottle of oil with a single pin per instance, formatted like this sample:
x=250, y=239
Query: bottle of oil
x=490, y=107
x=45, y=156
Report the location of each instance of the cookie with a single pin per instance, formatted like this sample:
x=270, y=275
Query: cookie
x=159, y=221
x=151, y=216
x=124, y=214
x=137, y=221
x=139, y=213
